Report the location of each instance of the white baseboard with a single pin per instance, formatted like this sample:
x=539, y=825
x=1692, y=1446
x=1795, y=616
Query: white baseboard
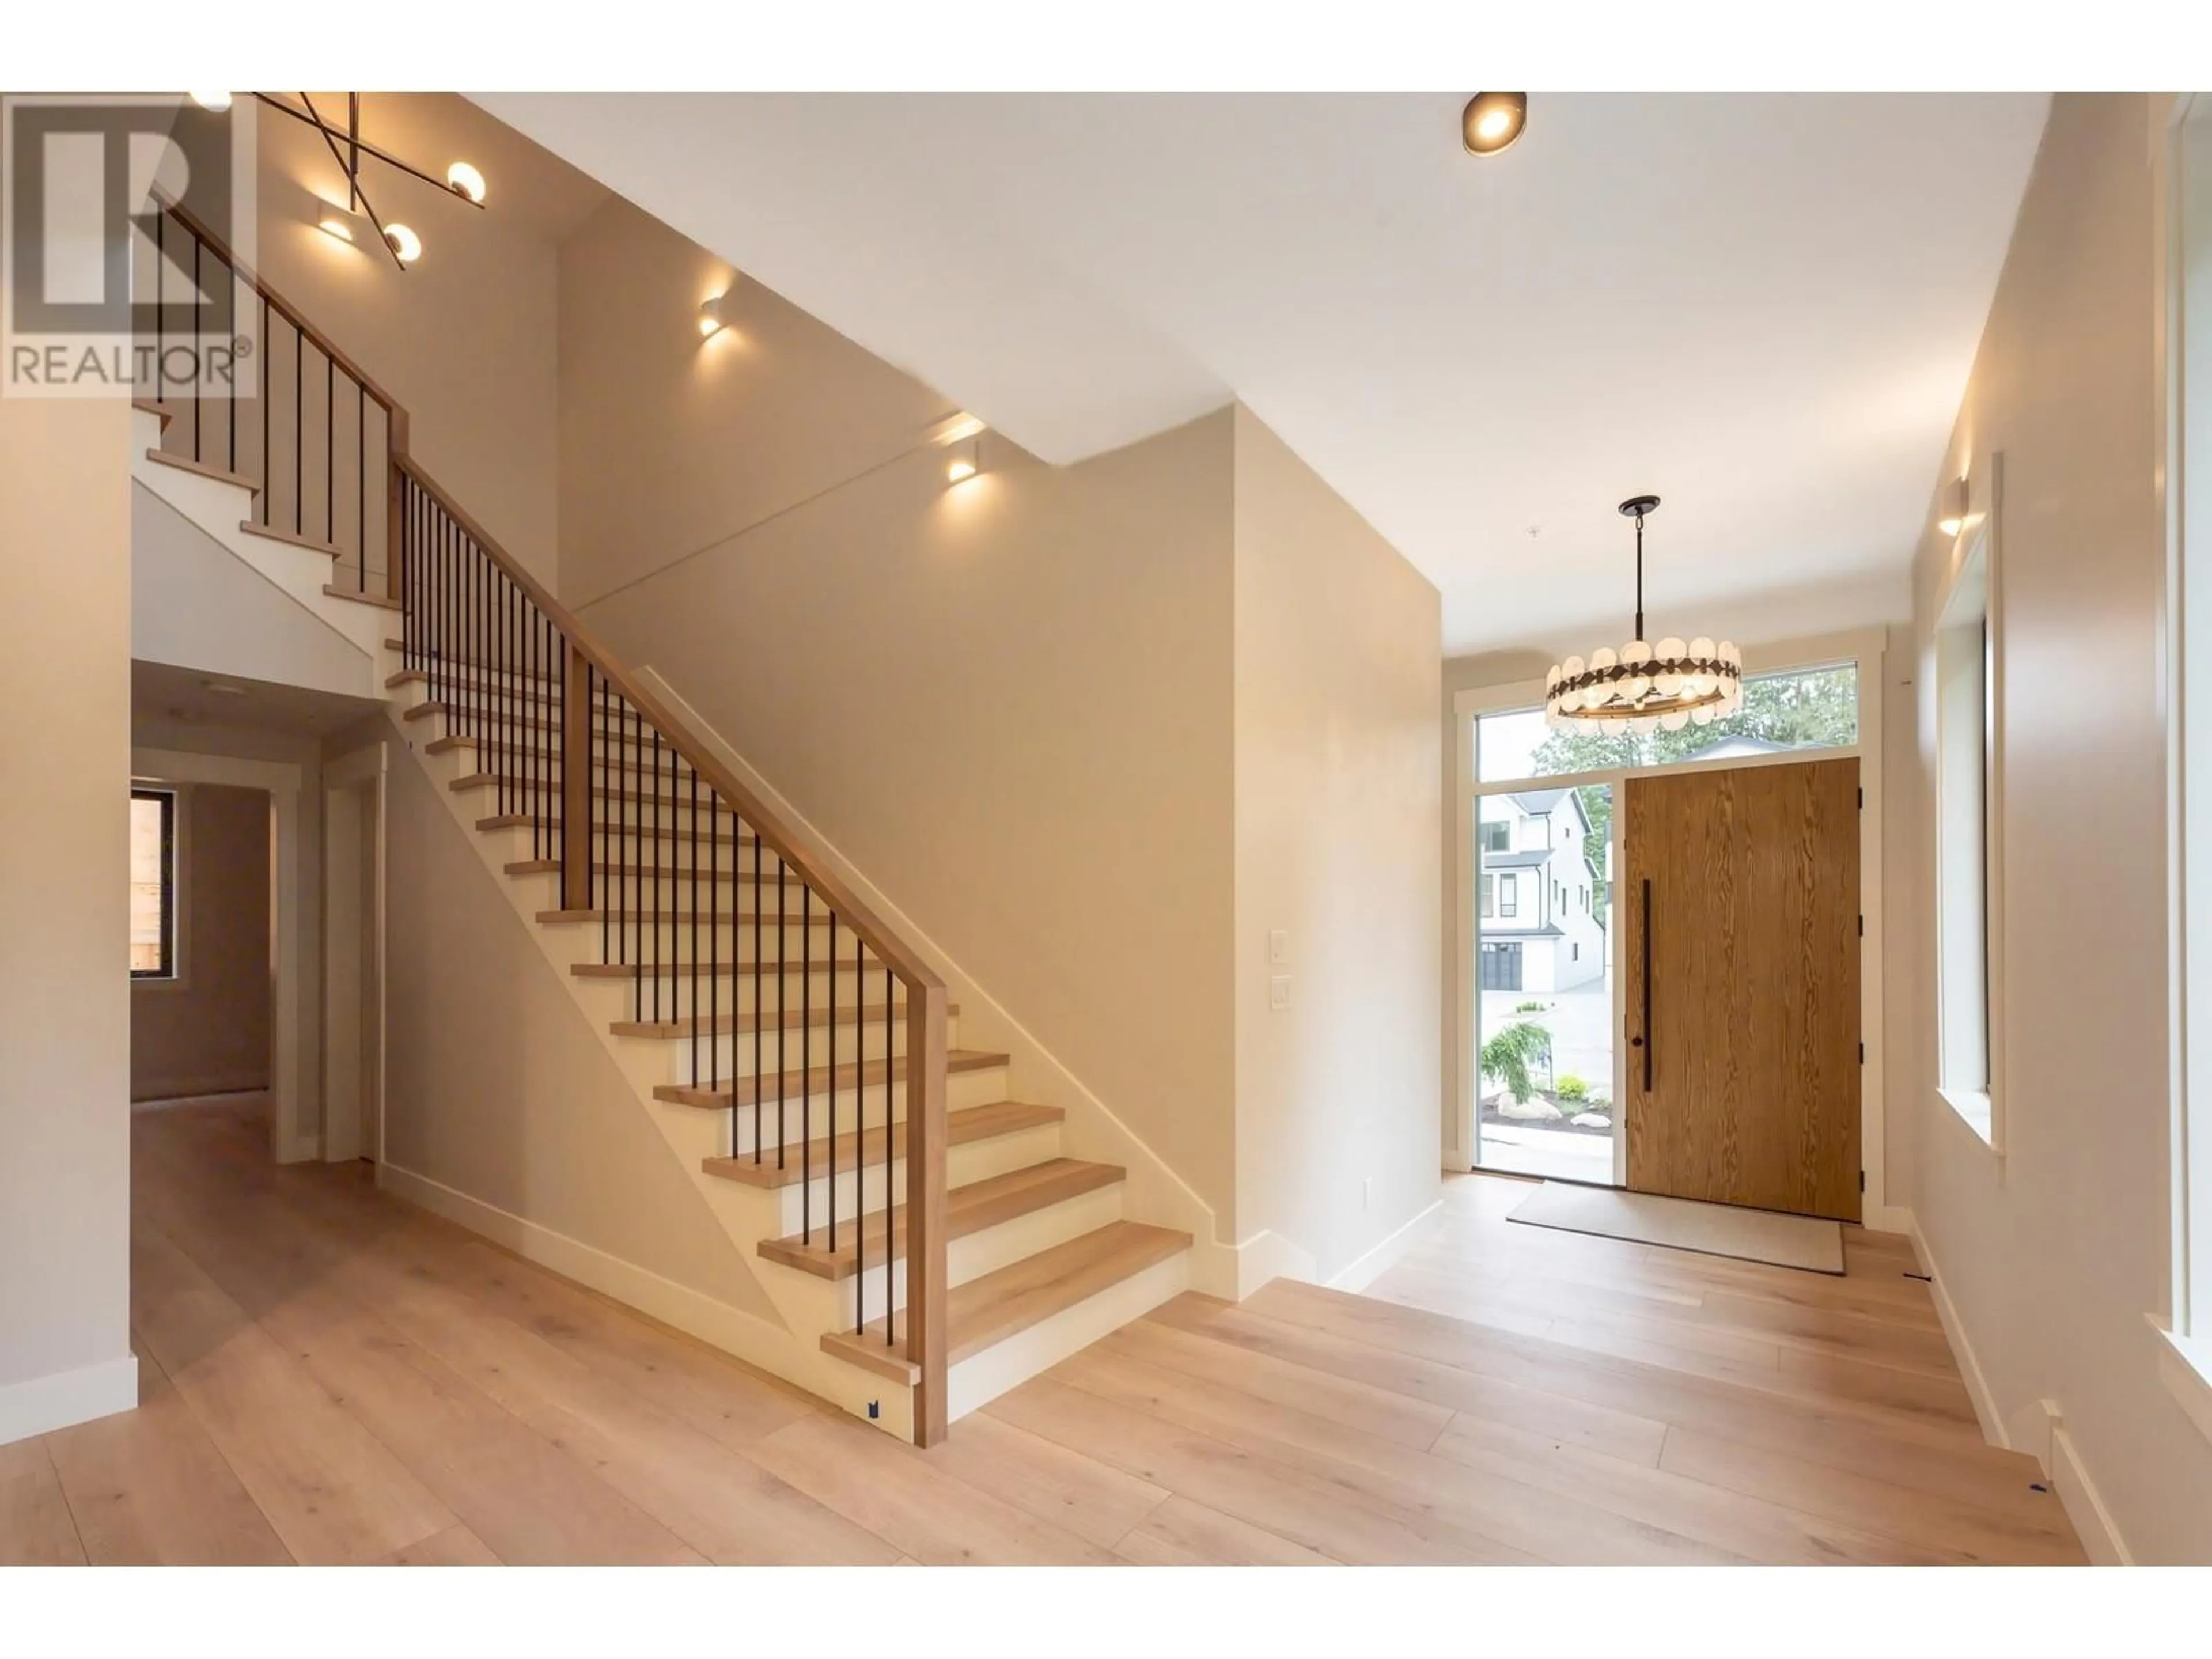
x=46, y=1403
x=1366, y=1269
x=1267, y=1255
x=716, y=1324
x=1954, y=1331
x=2037, y=1428
x=2085, y=1508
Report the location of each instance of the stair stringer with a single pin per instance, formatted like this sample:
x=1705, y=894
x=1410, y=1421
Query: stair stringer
x=790, y=1350
x=1154, y=1192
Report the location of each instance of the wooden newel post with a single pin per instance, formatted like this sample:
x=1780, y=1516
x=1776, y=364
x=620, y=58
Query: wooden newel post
x=575, y=779
x=924, y=1206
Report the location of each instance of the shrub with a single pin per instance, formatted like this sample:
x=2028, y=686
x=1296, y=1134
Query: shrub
x=1571, y=1087
x=1511, y=1055
x=1528, y=1007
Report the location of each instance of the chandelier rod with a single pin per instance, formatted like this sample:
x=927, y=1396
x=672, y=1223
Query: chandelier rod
x=1639, y=574
x=353, y=183
x=308, y=117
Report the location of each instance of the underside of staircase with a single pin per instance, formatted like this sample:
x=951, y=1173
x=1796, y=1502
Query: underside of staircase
x=768, y=1044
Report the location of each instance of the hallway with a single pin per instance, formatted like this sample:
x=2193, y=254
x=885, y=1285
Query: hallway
x=330, y=1376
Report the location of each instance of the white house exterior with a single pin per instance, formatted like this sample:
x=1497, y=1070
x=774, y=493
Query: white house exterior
x=1541, y=928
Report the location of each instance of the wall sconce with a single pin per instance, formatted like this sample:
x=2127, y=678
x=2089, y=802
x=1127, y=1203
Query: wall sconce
x=1955, y=517
x=713, y=316
x=963, y=460
x=216, y=102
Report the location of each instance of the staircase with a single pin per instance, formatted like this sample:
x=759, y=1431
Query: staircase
x=921, y=1236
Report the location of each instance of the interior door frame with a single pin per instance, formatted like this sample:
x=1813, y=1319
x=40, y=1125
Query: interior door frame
x=1865, y=647
x=354, y=948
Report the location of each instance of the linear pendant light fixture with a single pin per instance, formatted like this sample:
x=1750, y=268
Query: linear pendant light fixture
x=1641, y=687
x=463, y=182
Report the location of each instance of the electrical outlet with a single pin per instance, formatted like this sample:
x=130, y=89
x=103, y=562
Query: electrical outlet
x=1278, y=991
x=1278, y=948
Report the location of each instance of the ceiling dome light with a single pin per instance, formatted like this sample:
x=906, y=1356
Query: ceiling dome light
x=1492, y=120
x=218, y=102
x=1645, y=688
x=406, y=246
x=465, y=180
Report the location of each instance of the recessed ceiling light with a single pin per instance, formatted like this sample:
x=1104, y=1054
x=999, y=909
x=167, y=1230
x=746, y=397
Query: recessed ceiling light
x=223, y=689
x=1492, y=120
x=218, y=102
x=465, y=180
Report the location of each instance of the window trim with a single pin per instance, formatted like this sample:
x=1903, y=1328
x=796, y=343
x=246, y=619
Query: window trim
x=1975, y=557
x=1508, y=889
x=2186, y=1364
x=172, y=817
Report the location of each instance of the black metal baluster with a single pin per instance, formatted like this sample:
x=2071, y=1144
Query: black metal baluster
x=805, y=1058
x=361, y=478
x=714, y=957
x=889, y=1136
x=755, y=898
x=262, y=393
x=230, y=318
x=299, y=429
x=833, y=1080
x=331, y=463
x=691, y=968
x=782, y=1069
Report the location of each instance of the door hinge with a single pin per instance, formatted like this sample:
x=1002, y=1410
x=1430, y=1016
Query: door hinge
x=1862, y=927
x=1861, y=800
x=1862, y=1053
x=1862, y=1180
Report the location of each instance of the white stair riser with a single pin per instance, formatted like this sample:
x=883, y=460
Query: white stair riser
x=977, y=1381
x=828, y=1304
x=781, y=1208
x=803, y=1121
x=722, y=991
x=732, y=1053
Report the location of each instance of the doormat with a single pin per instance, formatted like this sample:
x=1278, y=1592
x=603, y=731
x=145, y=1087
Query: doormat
x=1681, y=1223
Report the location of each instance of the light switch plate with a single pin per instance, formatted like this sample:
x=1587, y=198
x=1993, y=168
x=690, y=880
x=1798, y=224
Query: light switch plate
x=1278, y=991
x=1278, y=948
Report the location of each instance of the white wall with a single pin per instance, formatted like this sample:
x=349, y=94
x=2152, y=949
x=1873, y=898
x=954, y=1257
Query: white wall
x=507, y=1098
x=1337, y=663
x=64, y=858
x=2051, y=1255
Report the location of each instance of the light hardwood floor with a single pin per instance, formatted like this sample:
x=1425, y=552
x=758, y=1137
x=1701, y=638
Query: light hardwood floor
x=328, y=1376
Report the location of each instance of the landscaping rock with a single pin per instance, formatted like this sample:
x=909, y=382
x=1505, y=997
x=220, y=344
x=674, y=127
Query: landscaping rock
x=1590, y=1121
x=1534, y=1110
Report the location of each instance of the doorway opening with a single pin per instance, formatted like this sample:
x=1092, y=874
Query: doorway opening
x=1550, y=950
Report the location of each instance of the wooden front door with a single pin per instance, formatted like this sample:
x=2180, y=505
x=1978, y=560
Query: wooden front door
x=1739, y=907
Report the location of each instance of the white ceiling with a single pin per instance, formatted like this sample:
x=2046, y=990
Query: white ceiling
x=1762, y=308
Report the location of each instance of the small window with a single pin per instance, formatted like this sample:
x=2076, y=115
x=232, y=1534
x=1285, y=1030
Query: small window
x=1965, y=740
x=1508, y=896
x=1574, y=953
x=1488, y=898
x=152, y=884
x=1497, y=836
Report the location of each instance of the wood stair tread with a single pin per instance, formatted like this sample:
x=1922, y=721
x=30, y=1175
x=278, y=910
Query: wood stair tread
x=985, y=1311
x=743, y=970
x=202, y=469
x=789, y=1085
x=971, y=1123
x=151, y=407
x=969, y=1209
x=381, y=600
x=290, y=538
x=533, y=821
x=791, y=1018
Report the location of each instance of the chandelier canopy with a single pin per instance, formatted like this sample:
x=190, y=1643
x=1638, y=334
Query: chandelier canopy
x=1642, y=687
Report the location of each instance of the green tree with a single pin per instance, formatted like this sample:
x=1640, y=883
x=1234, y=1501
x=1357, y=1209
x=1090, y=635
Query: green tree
x=1816, y=710
x=1514, y=1055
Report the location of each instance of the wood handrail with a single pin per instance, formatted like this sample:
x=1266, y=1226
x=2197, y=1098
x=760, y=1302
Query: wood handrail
x=292, y=314
x=777, y=836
